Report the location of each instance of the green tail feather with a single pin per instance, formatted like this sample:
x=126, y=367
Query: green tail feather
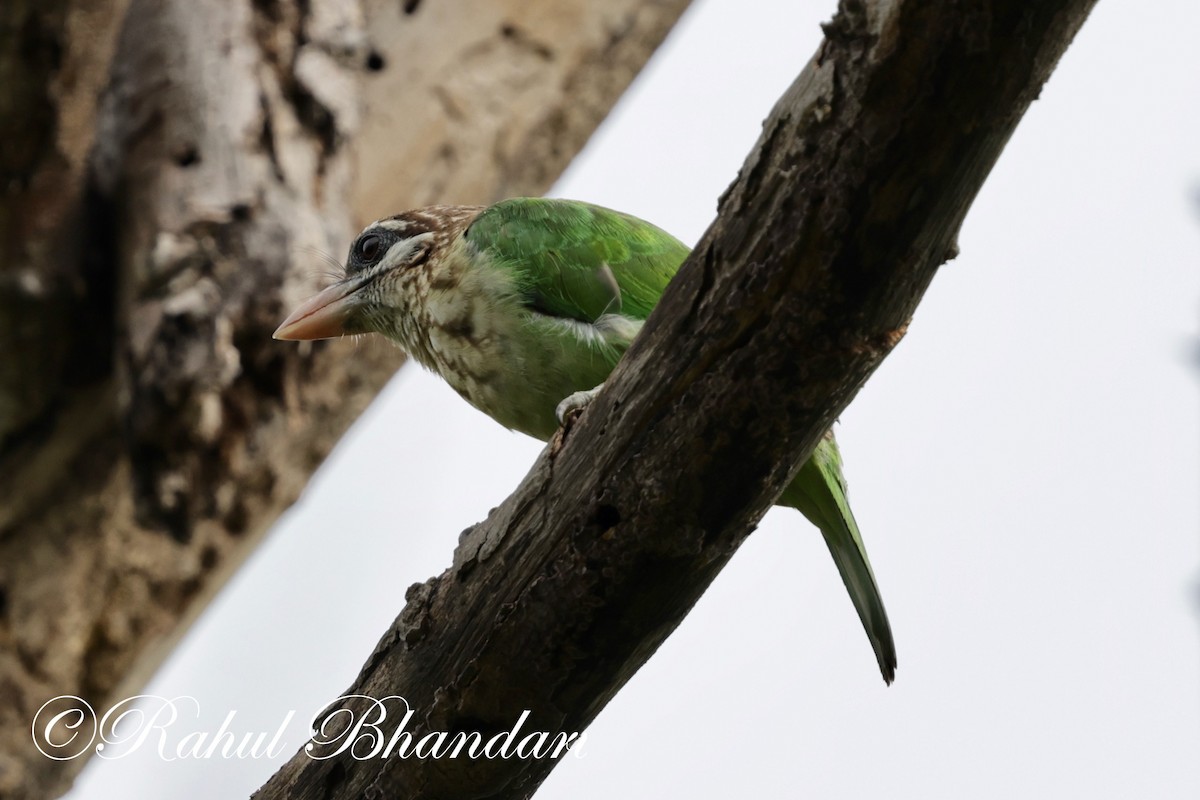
x=819, y=492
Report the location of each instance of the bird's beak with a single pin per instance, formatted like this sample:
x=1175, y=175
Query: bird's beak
x=322, y=316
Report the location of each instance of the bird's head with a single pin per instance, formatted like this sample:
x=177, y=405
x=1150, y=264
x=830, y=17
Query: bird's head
x=387, y=273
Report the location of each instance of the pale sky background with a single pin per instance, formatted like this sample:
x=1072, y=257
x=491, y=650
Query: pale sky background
x=1024, y=468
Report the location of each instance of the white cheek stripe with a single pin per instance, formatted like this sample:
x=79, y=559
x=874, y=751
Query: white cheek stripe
x=401, y=250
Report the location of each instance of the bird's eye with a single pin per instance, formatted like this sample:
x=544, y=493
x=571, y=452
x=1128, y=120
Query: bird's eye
x=369, y=247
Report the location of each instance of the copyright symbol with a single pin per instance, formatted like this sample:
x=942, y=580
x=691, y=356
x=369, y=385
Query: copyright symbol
x=64, y=727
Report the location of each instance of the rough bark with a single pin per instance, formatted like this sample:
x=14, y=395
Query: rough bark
x=807, y=279
x=152, y=235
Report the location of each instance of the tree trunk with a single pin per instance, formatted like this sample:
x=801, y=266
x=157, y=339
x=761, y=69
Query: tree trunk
x=822, y=248
x=171, y=170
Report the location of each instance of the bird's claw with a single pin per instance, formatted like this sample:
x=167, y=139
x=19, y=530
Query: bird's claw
x=573, y=404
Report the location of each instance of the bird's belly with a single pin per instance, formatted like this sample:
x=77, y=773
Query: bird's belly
x=518, y=376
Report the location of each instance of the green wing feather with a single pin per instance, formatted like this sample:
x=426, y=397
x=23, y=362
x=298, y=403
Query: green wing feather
x=576, y=260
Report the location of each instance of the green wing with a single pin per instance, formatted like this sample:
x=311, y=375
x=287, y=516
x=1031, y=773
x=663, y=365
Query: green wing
x=577, y=260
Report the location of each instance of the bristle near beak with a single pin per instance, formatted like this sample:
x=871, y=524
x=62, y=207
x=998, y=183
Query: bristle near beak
x=322, y=316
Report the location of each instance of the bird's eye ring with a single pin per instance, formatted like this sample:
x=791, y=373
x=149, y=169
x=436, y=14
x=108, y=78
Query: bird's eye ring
x=369, y=247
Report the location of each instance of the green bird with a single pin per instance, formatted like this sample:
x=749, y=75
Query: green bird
x=524, y=307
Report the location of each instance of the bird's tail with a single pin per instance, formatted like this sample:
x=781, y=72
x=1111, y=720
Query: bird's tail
x=819, y=492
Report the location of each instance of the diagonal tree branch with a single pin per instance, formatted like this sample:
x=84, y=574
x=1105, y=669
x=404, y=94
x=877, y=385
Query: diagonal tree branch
x=822, y=248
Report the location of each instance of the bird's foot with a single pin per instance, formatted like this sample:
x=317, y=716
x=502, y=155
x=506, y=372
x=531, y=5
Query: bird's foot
x=574, y=404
